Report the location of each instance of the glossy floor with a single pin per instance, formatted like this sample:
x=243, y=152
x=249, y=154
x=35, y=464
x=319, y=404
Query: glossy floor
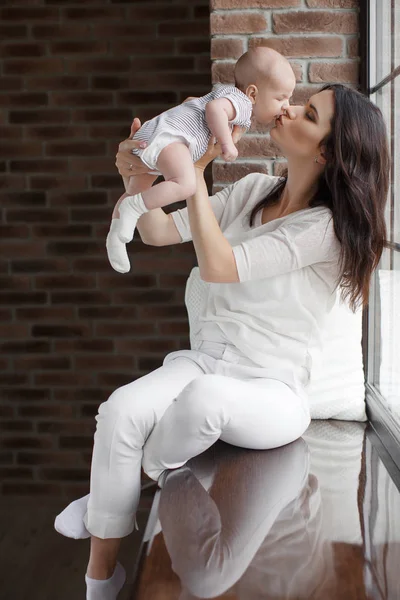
x=318, y=519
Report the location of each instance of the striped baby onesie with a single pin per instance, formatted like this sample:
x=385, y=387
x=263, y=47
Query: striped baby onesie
x=187, y=123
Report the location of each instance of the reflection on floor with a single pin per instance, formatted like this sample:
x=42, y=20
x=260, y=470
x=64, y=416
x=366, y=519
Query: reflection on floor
x=37, y=563
x=318, y=519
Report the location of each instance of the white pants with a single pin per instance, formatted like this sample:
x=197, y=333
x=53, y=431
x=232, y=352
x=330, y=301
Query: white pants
x=163, y=419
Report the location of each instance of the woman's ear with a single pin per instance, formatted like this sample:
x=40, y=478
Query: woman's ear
x=252, y=92
x=321, y=157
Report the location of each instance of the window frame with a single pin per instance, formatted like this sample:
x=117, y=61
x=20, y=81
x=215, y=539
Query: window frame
x=380, y=418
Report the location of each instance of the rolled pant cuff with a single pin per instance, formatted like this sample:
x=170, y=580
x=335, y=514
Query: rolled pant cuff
x=106, y=526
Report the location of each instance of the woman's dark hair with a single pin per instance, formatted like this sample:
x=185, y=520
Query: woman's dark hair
x=354, y=185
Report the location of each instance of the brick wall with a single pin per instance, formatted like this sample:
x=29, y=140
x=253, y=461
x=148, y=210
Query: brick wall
x=319, y=37
x=72, y=330
x=73, y=76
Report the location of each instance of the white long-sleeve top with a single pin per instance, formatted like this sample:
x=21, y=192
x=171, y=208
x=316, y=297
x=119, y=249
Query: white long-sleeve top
x=288, y=270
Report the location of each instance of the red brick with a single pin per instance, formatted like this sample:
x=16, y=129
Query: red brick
x=78, y=442
x=226, y=48
x=23, y=100
x=57, y=330
x=228, y=172
x=257, y=147
x=8, y=181
x=46, y=410
x=61, y=82
x=16, y=379
x=60, y=231
x=68, y=427
x=221, y=4
x=145, y=346
x=25, y=199
x=21, y=149
x=31, y=489
x=11, y=84
x=118, y=29
x=81, y=99
x=59, y=31
x=194, y=46
x=44, y=265
x=162, y=312
x=302, y=46
x=134, y=46
x=71, y=281
x=7, y=473
x=42, y=363
x=104, y=64
x=185, y=28
x=14, y=282
x=33, y=66
x=315, y=21
x=94, y=12
x=29, y=14
x=166, y=81
x=86, y=198
x=46, y=458
x=107, y=362
x=13, y=31
x=59, y=378
x=102, y=114
x=92, y=297
x=222, y=72
x=26, y=394
x=15, y=50
x=54, y=132
x=84, y=345
x=79, y=47
x=353, y=50
x=22, y=298
x=344, y=72
x=161, y=13
x=27, y=117
x=333, y=3
x=115, y=330
x=47, y=216
x=39, y=166
x=109, y=82
x=47, y=313
x=125, y=313
x=13, y=231
x=26, y=442
x=237, y=23
x=75, y=148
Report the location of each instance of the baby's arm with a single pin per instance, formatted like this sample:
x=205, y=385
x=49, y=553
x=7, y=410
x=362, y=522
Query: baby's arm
x=218, y=114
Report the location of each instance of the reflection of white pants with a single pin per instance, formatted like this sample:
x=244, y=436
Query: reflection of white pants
x=163, y=419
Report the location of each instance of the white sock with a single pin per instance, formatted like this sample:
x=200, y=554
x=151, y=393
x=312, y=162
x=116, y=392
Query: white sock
x=130, y=209
x=70, y=521
x=106, y=589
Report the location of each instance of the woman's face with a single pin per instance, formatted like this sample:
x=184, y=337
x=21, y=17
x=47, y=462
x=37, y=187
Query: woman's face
x=300, y=133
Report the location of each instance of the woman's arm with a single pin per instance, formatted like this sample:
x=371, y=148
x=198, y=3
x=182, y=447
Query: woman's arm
x=214, y=253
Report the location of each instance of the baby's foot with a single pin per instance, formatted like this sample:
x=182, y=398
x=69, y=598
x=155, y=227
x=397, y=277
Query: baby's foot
x=70, y=521
x=116, y=250
x=130, y=210
x=106, y=589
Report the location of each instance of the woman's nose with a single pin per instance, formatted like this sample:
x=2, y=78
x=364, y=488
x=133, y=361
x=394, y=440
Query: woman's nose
x=290, y=112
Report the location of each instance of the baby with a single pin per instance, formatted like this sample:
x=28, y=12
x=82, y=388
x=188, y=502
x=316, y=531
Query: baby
x=177, y=138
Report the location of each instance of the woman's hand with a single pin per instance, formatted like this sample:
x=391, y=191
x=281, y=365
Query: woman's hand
x=215, y=150
x=127, y=163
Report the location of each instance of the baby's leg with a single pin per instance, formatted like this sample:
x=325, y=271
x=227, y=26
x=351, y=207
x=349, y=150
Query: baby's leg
x=116, y=248
x=176, y=164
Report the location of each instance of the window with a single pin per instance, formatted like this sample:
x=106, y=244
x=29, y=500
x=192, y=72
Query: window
x=380, y=57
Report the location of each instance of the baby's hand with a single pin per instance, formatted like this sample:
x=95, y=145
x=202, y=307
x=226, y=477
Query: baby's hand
x=229, y=152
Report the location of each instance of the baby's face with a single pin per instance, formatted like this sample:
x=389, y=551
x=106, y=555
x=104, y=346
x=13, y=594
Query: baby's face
x=273, y=99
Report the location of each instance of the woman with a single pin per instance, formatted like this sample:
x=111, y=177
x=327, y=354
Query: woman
x=274, y=251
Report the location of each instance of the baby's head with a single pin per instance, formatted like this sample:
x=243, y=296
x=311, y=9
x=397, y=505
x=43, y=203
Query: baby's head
x=267, y=78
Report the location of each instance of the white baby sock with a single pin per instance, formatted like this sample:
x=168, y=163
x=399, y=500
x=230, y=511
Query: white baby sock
x=70, y=521
x=106, y=589
x=130, y=209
